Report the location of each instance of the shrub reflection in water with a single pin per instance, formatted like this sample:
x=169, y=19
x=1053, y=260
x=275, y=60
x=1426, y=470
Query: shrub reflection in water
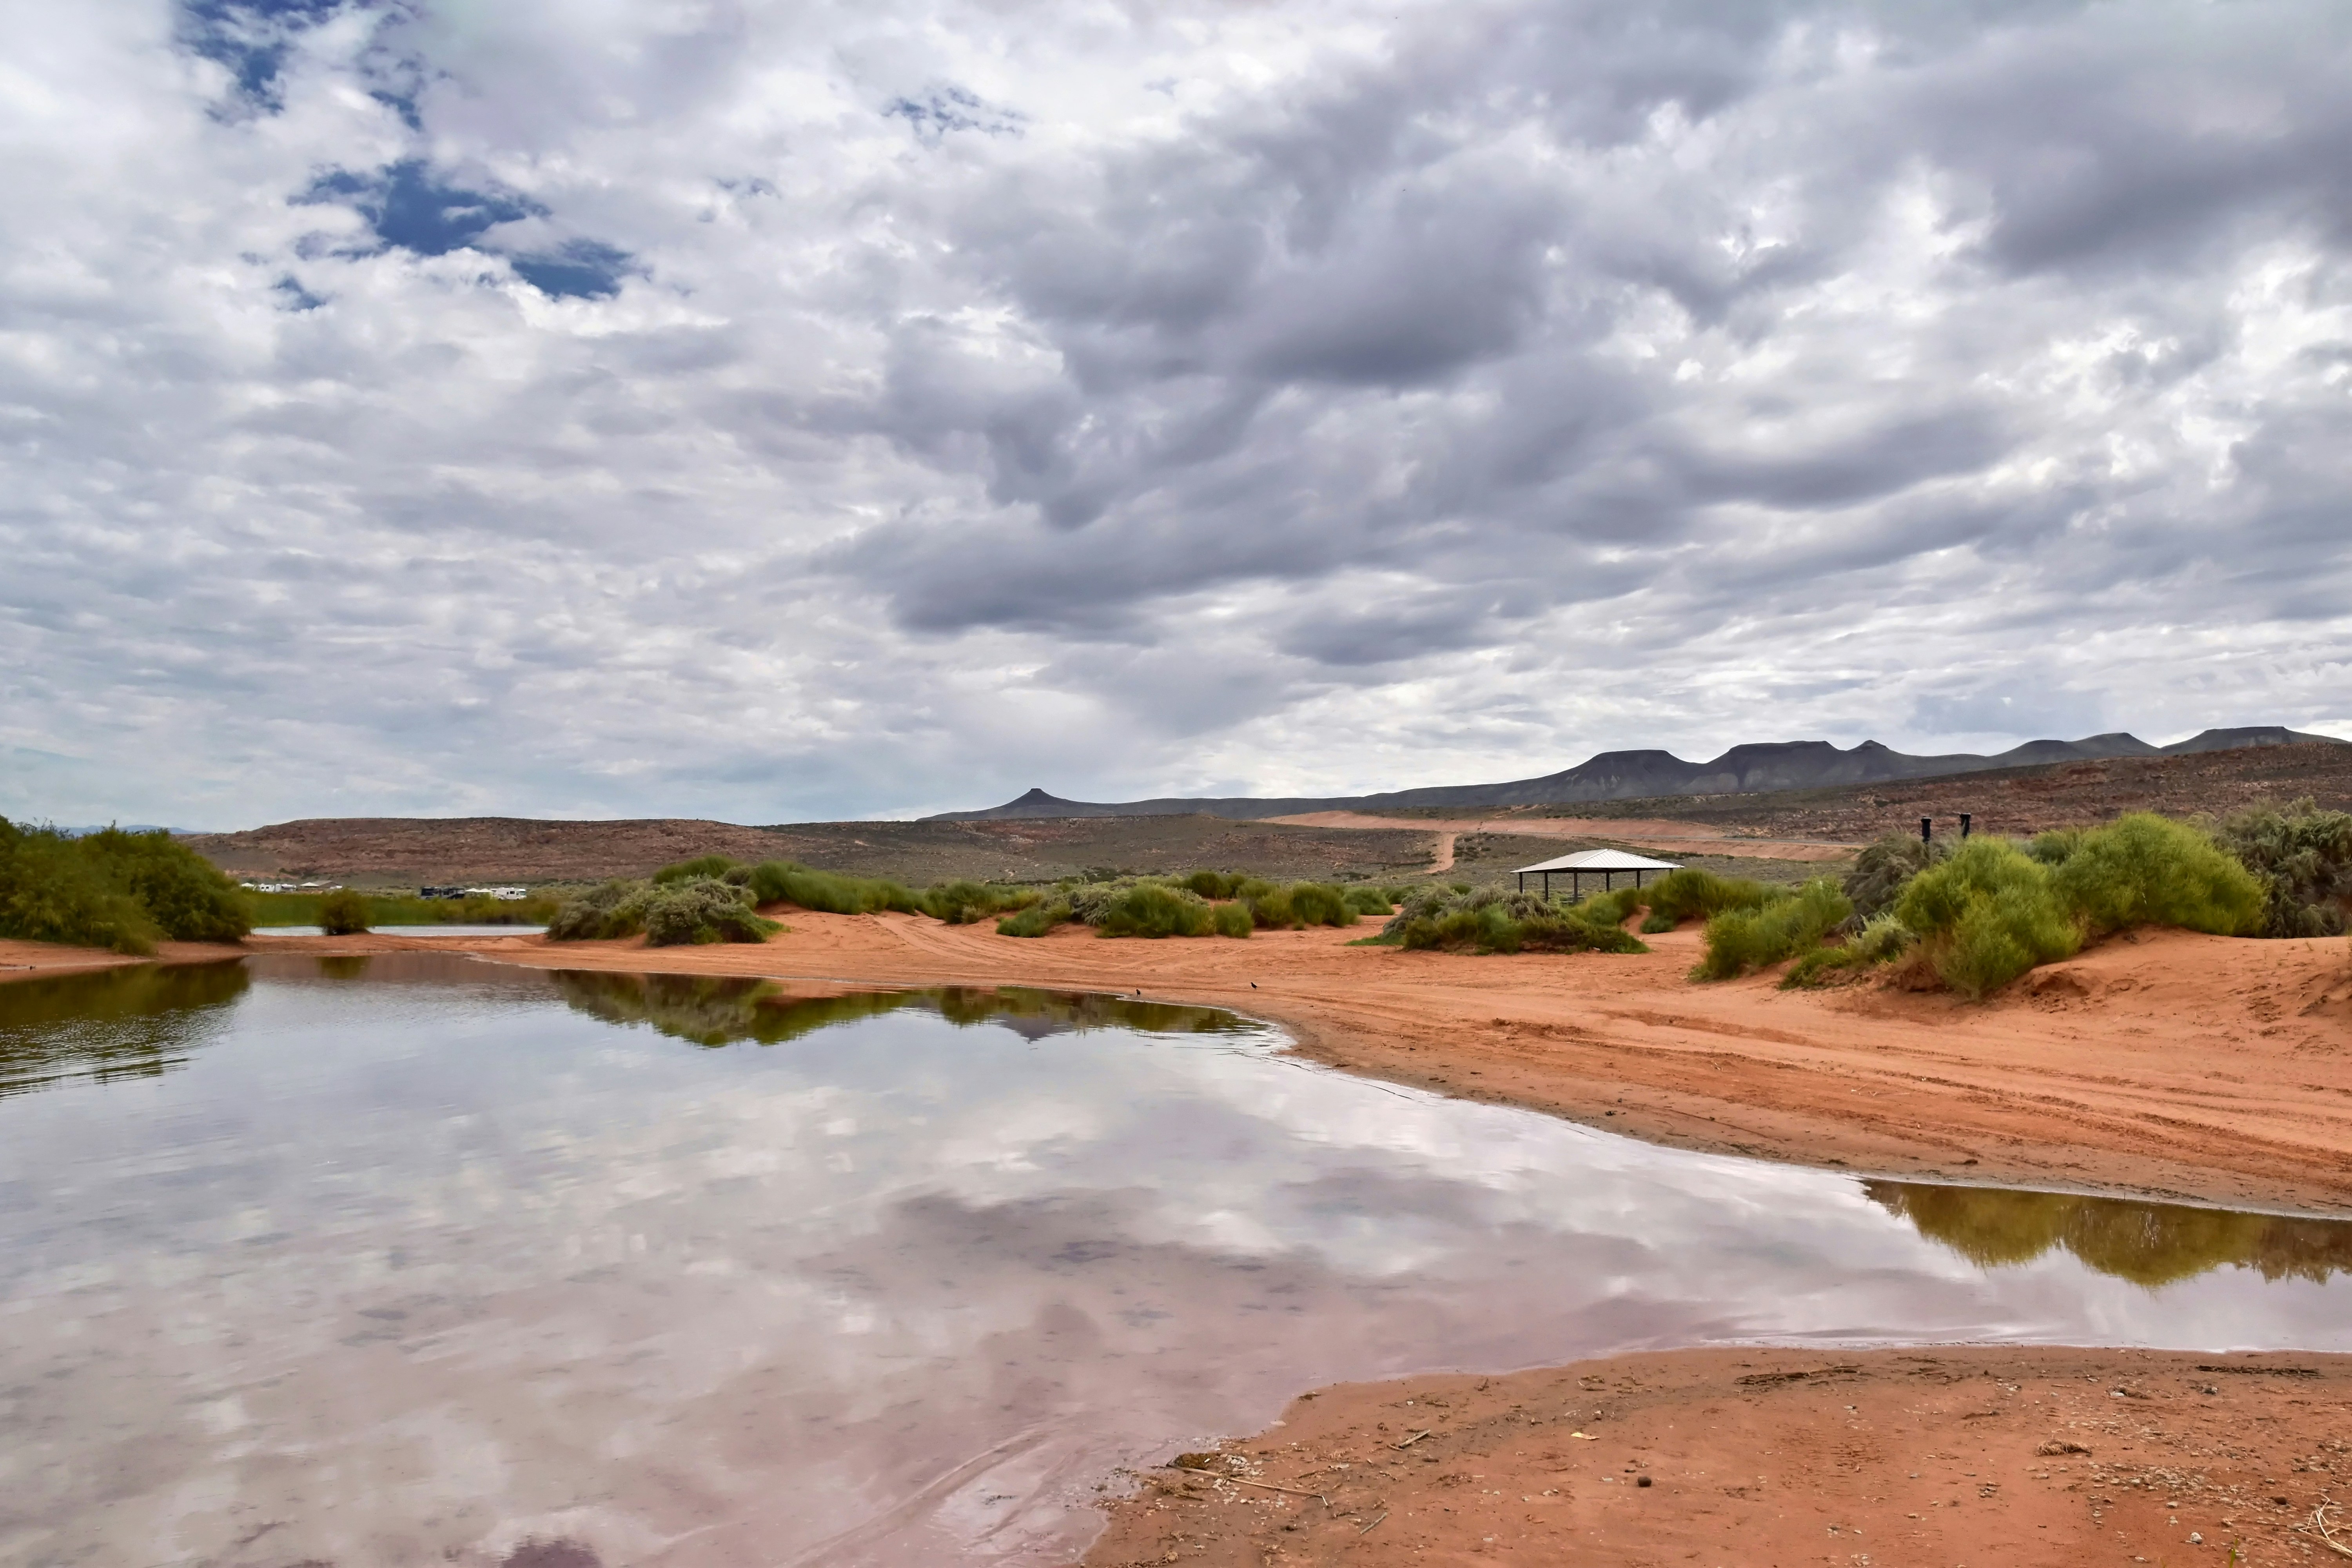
x=141, y=1020
x=2148, y=1244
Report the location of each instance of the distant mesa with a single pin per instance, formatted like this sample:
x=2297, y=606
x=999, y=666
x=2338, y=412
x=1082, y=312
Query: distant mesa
x=1641, y=775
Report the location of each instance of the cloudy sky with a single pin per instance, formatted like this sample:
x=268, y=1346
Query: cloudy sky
x=782, y=411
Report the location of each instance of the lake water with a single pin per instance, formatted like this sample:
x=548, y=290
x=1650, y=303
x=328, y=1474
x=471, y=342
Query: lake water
x=420, y=1259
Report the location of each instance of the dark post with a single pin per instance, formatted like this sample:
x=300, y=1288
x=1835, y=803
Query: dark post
x=1964, y=824
x=1927, y=829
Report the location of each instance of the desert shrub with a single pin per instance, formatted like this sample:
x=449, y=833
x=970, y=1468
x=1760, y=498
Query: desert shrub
x=1883, y=868
x=1321, y=904
x=2146, y=869
x=1299, y=905
x=1361, y=900
x=615, y=909
x=2302, y=858
x=961, y=902
x=1036, y=919
x=1740, y=941
x=1882, y=940
x=1214, y=884
x=1154, y=908
x=1692, y=893
x=1232, y=920
x=703, y=909
x=1986, y=915
x=2052, y=848
x=51, y=891
x=827, y=892
x=343, y=912
x=689, y=870
x=1613, y=907
x=1492, y=920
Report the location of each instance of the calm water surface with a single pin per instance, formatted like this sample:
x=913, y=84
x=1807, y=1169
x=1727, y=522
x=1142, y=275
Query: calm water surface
x=419, y=1259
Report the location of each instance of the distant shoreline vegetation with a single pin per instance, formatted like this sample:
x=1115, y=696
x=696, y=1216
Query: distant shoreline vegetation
x=401, y=909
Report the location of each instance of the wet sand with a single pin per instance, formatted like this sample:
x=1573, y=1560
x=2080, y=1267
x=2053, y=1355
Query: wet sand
x=1959, y=1455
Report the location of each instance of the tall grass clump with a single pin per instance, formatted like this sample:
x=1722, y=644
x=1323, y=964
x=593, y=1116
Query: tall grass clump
x=675, y=913
x=343, y=911
x=828, y=892
x=1036, y=919
x=1296, y=907
x=703, y=909
x=1614, y=907
x=613, y=909
x=1741, y=940
x=1368, y=900
x=699, y=866
x=115, y=890
x=1883, y=938
x=1214, y=884
x=962, y=902
x=2302, y=858
x=1694, y=894
x=1492, y=920
x=1986, y=915
x=1155, y=910
x=2146, y=869
x=1884, y=868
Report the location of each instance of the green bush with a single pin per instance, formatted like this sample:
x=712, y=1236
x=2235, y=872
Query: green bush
x=1613, y=908
x=343, y=912
x=1233, y=919
x=1036, y=919
x=1321, y=904
x=2302, y=858
x=701, y=865
x=616, y=909
x=827, y=892
x=1299, y=905
x=112, y=889
x=703, y=909
x=51, y=891
x=1741, y=940
x=1364, y=900
x=2146, y=869
x=1692, y=893
x=962, y=902
x=2052, y=847
x=1986, y=915
x=1882, y=940
x=1492, y=920
x=1214, y=884
x=1882, y=869
x=1151, y=909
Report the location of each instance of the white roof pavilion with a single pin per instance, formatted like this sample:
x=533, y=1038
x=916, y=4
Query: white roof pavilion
x=1607, y=862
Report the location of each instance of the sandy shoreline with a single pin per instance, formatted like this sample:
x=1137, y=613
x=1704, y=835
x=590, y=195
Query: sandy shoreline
x=1994, y=1453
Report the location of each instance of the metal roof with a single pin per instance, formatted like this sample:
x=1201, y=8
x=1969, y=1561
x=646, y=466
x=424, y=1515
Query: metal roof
x=1604, y=860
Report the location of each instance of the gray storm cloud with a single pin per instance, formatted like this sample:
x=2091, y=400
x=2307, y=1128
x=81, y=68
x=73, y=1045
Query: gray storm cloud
x=776, y=412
